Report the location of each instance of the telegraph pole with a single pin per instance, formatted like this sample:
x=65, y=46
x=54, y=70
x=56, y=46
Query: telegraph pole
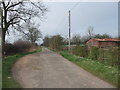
x=69, y=30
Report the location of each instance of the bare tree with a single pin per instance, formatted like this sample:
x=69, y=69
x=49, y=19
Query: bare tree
x=14, y=12
x=76, y=39
x=31, y=32
x=90, y=32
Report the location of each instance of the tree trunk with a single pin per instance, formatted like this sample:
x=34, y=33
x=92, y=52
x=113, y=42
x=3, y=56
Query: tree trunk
x=3, y=44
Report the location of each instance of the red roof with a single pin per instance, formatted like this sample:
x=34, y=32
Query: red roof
x=107, y=39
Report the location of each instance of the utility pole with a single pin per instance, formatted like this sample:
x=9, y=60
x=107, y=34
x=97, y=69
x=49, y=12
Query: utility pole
x=69, y=31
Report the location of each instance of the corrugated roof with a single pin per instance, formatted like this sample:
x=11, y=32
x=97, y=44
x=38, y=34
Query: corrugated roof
x=107, y=39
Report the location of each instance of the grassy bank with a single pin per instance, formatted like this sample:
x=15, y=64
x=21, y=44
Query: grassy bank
x=7, y=80
x=0, y=67
x=101, y=70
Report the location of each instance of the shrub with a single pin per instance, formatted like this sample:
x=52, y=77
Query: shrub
x=76, y=50
x=17, y=47
x=114, y=53
x=64, y=48
x=9, y=49
x=94, y=53
x=21, y=46
x=102, y=55
x=84, y=51
x=81, y=51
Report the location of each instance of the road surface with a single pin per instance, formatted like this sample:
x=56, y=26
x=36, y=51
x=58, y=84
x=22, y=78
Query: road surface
x=47, y=69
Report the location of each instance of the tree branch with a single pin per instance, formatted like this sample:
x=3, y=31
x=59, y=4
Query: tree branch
x=36, y=6
x=11, y=20
x=20, y=12
x=8, y=3
x=14, y=5
x=3, y=5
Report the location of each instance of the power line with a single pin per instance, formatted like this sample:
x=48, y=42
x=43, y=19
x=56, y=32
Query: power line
x=63, y=18
x=77, y=3
x=61, y=22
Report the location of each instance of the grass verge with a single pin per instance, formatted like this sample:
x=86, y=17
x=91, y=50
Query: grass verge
x=7, y=79
x=105, y=72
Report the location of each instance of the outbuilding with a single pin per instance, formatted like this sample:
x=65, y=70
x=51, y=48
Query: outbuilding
x=103, y=43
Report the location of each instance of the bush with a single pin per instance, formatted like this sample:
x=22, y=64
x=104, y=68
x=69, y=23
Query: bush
x=21, y=46
x=114, y=53
x=76, y=50
x=64, y=48
x=17, y=47
x=94, y=53
x=9, y=49
x=81, y=51
x=84, y=51
x=109, y=56
x=102, y=55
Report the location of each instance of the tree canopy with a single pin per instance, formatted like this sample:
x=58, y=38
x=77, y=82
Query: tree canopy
x=15, y=12
x=31, y=32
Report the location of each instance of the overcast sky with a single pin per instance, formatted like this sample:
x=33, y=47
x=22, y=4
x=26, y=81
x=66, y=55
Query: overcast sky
x=103, y=16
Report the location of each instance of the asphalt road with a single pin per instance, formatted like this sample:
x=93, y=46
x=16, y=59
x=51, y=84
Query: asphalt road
x=47, y=69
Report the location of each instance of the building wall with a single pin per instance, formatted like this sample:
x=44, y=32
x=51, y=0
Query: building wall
x=101, y=44
x=107, y=44
x=92, y=43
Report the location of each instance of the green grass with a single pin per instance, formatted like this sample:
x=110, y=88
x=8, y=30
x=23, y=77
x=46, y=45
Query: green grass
x=0, y=73
x=6, y=70
x=105, y=72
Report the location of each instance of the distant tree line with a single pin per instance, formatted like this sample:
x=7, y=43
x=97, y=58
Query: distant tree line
x=55, y=42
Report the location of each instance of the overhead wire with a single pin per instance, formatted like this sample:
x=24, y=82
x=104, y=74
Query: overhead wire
x=61, y=22
x=63, y=18
x=77, y=3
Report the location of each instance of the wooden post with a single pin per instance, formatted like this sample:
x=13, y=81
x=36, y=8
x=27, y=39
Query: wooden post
x=69, y=32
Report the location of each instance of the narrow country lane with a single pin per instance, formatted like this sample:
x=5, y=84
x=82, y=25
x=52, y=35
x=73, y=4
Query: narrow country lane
x=47, y=69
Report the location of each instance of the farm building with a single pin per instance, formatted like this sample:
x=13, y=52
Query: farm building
x=102, y=43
